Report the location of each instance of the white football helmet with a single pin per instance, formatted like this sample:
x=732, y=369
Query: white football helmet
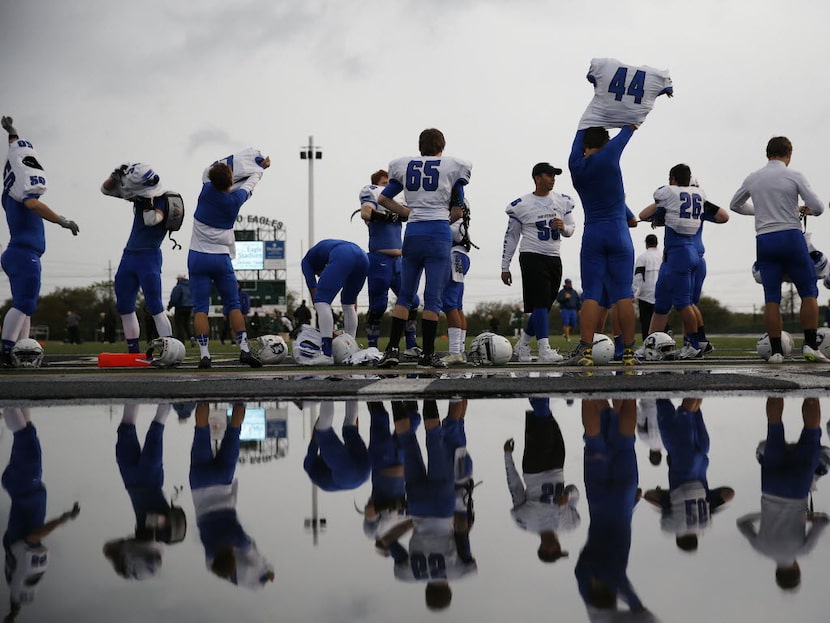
x=343, y=347
x=27, y=353
x=659, y=346
x=603, y=349
x=765, y=349
x=165, y=352
x=307, y=346
x=490, y=349
x=270, y=349
x=823, y=341
x=756, y=273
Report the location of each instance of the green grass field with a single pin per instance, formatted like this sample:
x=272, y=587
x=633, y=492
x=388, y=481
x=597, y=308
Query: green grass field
x=736, y=346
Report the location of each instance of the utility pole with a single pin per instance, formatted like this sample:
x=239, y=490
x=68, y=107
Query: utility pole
x=311, y=152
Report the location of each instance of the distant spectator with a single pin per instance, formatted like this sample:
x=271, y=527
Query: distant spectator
x=302, y=315
x=494, y=324
x=73, y=322
x=569, y=305
x=517, y=320
x=182, y=300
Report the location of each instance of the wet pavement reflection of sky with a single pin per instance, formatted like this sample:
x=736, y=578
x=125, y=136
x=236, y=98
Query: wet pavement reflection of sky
x=701, y=548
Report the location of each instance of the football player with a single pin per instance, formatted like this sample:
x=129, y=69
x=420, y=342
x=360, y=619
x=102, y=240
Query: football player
x=436, y=552
x=611, y=478
x=385, y=231
x=227, y=185
x=27, y=558
x=156, y=520
x=683, y=208
x=433, y=186
x=230, y=553
x=787, y=474
x=140, y=265
x=24, y=183
x=452, y=299
x=541, y=502
x=329, y=267
x=781, y=248
x=332, y=464
x=687, y=506
x=606, y=257
x=539, y=220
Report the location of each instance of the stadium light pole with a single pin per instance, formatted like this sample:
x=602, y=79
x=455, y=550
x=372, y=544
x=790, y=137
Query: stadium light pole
x=311, y=152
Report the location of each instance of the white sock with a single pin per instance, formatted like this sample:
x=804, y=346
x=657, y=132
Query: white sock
x=351, y=413
x=12, y=324
x=242, y=340
x=26, y=327
x=324, y=319
x=16, y=418
x=350, y=320
x=525, y=339
x=132, y=331
x=326, y=417
x=163, y=327
x=463, y=340
x=455, y=339
x=162, y=411
x=543, y=343
x=130, y=415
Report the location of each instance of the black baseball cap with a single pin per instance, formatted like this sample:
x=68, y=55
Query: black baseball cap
x=544, y=167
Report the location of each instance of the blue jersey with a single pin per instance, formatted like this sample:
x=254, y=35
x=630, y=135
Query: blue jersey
x=317, y=258
x=598, y=178
x=383, y=235
x=219, y=209
x=142, y=236
x=26, y=229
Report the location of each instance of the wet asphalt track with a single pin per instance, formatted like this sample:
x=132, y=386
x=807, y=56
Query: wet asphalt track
x=76, y=381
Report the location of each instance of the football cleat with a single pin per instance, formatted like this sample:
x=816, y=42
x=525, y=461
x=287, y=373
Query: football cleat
x=249, y=359
x=814, y=355
x=522, y=352
x=391, y=358
x=431, y=361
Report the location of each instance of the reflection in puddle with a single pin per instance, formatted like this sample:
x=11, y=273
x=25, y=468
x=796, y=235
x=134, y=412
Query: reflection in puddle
x=479, y=510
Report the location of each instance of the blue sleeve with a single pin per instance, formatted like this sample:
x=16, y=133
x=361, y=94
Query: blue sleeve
x=618, y=143
x=393, y=188
x=577, y=151
x=628, y=214
x=457, y=195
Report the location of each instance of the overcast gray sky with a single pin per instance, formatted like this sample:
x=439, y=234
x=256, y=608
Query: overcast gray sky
x=98, y=82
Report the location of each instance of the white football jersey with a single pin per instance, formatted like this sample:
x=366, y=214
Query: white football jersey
x=432, y=553
x=623, y=94
x=428, y=182
x=22, y=179
x=690, y=511
x=369, y=195
x=244, y=164
x=139, y=180
x=531, y=221
x=684, y=207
